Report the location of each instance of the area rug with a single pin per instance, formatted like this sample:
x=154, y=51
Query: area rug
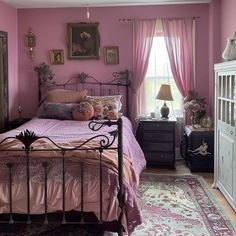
x=172, y=205
x=180, y=205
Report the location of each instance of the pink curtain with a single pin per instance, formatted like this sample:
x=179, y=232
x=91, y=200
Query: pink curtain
x=179, y=44
x=144, y=31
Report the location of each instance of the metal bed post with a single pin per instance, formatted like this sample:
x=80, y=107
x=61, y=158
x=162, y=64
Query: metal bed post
x=120, y=173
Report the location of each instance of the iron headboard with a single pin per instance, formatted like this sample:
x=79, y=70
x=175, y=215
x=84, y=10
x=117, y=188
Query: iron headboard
x=119, y=84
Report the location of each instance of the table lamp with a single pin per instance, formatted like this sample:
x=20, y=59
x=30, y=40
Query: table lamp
x=166, y=95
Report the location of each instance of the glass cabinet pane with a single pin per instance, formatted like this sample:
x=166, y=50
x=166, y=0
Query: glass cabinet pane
x=224, y=87
x=233, y=87
x=232, y=115
x=219, y=110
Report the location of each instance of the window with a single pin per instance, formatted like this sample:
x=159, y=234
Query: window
x=159, y=72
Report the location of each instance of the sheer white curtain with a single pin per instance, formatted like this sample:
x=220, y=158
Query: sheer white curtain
x=158, y=72
x=179, y=42
x=144, y=31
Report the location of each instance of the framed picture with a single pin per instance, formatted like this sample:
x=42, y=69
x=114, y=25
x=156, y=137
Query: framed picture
x=111, y=55
x=57, y=56
x=83, y=41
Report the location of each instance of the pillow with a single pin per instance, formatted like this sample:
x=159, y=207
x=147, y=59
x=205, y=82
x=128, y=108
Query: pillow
x=83, y=111
x=60, y=111
x=65, y=96
x=106, y=107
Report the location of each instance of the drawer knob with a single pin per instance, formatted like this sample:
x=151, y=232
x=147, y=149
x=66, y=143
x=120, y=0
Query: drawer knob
x=231, y=132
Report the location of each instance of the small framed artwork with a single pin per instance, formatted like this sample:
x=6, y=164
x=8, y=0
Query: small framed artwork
x=111, y=55
x=57, y=56
x=83, y=41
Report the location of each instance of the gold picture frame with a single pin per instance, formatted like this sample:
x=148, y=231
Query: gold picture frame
x=83, y=41
x=111, y=55
x=56, y=56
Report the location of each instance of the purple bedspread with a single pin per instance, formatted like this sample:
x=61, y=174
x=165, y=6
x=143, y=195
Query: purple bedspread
x=67, y=131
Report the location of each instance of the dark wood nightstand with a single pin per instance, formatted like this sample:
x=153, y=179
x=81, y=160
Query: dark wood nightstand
x=157, y=140
x=198, y=148
x=18, y=122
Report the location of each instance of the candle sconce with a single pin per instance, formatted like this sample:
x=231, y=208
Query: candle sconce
x=30, y=41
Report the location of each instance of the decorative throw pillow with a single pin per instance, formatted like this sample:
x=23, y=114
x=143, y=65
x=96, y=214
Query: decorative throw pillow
x=106, y=107
x=83, y=111
x=65, y=96
x=60, y=111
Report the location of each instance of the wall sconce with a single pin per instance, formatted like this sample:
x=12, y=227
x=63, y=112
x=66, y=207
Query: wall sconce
x=30, y=41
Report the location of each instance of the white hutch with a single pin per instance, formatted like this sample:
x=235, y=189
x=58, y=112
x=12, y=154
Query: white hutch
x=225, y=133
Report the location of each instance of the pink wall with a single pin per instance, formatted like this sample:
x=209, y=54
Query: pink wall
x=222, y=20
x=50, y=27
x=228, y=19
x=8, y=23
x=214, y=45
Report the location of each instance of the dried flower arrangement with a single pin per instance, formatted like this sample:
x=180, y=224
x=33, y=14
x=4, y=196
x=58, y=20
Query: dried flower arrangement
x=195, y=106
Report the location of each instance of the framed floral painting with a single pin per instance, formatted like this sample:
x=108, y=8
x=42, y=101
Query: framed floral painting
x=83, y=41
x=56, y=56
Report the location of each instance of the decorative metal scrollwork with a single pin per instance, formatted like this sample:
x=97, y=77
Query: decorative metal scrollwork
x=27, y=137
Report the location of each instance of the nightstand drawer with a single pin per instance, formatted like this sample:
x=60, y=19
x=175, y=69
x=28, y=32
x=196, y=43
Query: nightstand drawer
x=160, y=147
x=165, y=126
x=157, y=140
x=159, y=157
x=158, y=136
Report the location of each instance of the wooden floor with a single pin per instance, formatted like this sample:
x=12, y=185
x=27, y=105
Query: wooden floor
x=181, y=168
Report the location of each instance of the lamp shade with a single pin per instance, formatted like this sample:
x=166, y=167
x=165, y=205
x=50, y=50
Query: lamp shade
x=165, y=93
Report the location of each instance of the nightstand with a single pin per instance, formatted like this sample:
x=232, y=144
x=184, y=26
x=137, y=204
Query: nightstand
x=157, y=140
x=198, y=148
x=17, y=122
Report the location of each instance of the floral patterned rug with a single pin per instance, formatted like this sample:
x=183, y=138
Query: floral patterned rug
x=180, y=205
x=172, y=205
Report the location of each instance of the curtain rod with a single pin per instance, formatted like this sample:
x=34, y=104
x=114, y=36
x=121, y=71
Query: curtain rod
x=168, y=18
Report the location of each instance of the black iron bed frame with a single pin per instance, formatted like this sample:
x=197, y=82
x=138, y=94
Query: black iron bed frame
x=28, y=138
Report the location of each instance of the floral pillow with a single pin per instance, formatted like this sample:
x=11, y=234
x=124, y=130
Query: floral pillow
x=106, y=107
x=83, y=111
x=65, y=96
x=60, y=111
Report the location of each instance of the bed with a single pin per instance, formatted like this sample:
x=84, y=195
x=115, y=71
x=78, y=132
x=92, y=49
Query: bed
x=85, y=171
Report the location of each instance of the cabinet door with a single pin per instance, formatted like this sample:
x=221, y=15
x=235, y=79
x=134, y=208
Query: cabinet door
x=225, y=162
x=225, y=128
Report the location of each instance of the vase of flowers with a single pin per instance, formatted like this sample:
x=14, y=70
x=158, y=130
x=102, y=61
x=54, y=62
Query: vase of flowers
x=195, y=107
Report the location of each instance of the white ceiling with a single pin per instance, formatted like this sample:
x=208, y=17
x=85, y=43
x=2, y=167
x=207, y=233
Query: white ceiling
x=94, y=3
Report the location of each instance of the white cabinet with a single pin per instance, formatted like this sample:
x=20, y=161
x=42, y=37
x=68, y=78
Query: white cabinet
x=225, y=135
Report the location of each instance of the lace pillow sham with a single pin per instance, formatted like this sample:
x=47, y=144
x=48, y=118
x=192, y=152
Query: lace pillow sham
x=106, y=107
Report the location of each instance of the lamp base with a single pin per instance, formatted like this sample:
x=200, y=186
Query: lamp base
x=165, y=111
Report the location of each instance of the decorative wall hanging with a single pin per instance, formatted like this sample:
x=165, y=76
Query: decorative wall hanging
x=30, y=41
x=83, y=41
x=111, y=55
x=56, y=56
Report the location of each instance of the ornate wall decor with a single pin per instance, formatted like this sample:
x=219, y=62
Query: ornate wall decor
x=30, y=41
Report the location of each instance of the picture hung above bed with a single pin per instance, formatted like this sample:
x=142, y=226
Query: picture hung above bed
x=64, y=160
x=83, y=41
